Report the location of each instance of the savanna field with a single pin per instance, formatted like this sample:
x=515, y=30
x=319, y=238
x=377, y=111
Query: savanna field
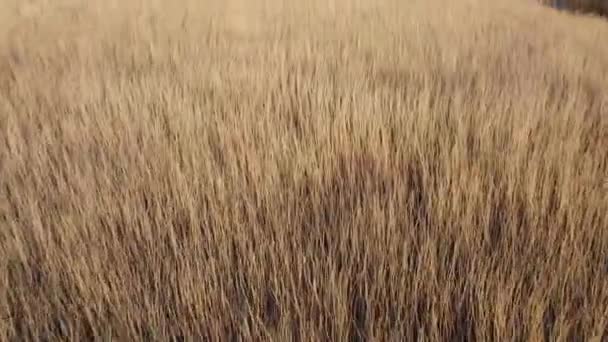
x=342, y=170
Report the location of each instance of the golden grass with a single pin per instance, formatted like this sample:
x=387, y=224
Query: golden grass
x=316, y=170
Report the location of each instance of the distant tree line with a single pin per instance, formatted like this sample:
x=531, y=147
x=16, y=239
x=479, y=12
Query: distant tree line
x=588, y=6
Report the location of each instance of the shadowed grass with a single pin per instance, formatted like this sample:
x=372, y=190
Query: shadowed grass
x=352, y=170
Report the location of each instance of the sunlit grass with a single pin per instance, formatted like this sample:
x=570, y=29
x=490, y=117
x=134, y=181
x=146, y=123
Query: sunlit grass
x=273, y=170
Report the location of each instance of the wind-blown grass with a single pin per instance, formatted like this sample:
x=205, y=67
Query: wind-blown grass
x=344, y=170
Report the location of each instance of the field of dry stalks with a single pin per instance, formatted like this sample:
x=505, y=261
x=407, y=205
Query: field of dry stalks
x=312, y=171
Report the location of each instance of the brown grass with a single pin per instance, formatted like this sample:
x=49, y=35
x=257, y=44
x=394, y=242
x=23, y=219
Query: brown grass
x=274, y=170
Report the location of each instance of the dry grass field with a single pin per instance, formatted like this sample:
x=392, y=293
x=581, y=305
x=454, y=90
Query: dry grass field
x=323, y=170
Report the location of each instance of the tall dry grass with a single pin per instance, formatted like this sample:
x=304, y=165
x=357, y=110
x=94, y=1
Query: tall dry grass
x=281, y=170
